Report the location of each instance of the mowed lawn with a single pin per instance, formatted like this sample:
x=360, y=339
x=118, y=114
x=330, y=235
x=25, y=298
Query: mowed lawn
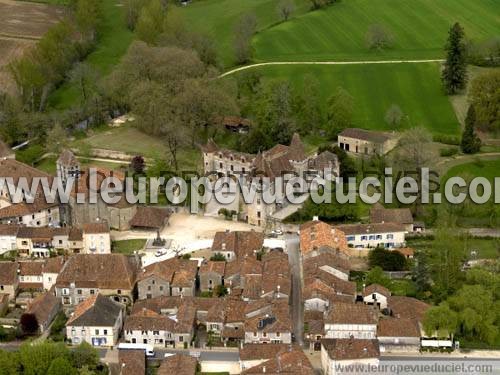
x=217, y=18
x=415, y=88
x=338, y=33
x=479, y=168
x=129, y=140
x=114, y=40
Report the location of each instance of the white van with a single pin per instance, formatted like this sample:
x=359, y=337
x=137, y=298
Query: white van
x=148, y=349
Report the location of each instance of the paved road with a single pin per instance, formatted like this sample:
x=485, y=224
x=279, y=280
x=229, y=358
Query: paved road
x=292, y=246
x=365, y=62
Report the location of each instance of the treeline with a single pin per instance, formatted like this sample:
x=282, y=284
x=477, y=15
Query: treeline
x=41, y=69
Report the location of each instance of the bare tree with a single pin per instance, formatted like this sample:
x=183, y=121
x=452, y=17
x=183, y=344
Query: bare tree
x=394, y=115
x=379, y=37
x=285, y=8
x=244, y=30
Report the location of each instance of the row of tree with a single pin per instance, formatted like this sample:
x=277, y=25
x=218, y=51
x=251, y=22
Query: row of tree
x=51, y=359
x=42, y=68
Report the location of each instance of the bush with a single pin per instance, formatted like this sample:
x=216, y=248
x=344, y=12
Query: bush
x=31, y=154
x=447, y=139
x=445, y=152
x=387, y=260
x=57, y=327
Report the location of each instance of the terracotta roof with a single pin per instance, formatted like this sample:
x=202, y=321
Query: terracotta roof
x=371, y=136
x=43, y=306
x=31, y=285
x=252, y=288
x=22, y=209
x=234, y=121
x=213, y=266
x=339, y=285
x=376, y=288
x=9, y=229
x=186, y=318
x=251, y=352
x=147, y=320
x=132, y=362
x=36, y=233
x=392, y=327
x=316, y=327
x=53, y=265
x=344, y=349
x=351, y=229
x=103, y=271
x=82, y=184
x=330, y=259
x=97, y=310
x=391, y=215
x=407, y=307
x=240, y=242
x=8, y=273
x=291, y=362
x=185, y=273
x=150, y=217
x=75, y=234
x=316, y=234
x=67, y=159
x=31, y=268
x=95, y=228
x=325, y=160
x=178, y=364
x=279, y=319
x=345, y=313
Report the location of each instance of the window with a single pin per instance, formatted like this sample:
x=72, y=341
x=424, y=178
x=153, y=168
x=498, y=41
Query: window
x=153, y=282
x=364, y=238
x=156, y=333
x=65, y=292
x=351, y=238
x=255, y=334
x=92, y=291
x=278, y=334
x=372, y=237
x=161, y=288
x=379, y=236
x=96, y=331
x=79, y=292
x=119, y=291
x=258, y=214
x=149, y=287
x=181, y=338
x=390, y=236
x=60, y=242
x=264, y=334
x=105, y=331
x=1, y=287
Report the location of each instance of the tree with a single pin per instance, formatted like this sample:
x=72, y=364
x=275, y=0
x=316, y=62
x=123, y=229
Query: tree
x=137, y=164
x=56, y=139
x=308, y=105
x=470, y=143
x=150, y=23
x=440, y=321
x=421, y=272
x=86, y=77
x=88, y=15
x=37, y=358
x=132, y=11
x=243, y=32
x=340, y=109
x=221, y=291
x=9, y=363
x=85, y=355
x=378, y=37
x=218, y=257
x=386, y=259
x=393, y=116
x=29, y=324
x=484, y=96
x=454, y=74
x=347, y=164
x=284, y=9
x=61, y=366
x=377, y=276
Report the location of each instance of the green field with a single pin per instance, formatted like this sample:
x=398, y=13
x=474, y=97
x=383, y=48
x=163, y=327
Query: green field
x=217, y=18
x=114, y=40
x=127, y=247
x=338, y=32
x=415, y=88
x=479, y=168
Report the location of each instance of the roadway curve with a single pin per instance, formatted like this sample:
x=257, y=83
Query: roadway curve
x=367, y=62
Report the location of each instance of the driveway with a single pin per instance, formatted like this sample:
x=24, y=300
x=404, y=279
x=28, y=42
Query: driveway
x=292, y=246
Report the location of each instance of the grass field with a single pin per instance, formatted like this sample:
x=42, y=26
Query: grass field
x=479, y=168
x=217, y=18
x=134, y=142
x=338, y=33
x=127, y=247
x=415, y=88
x=114, y=40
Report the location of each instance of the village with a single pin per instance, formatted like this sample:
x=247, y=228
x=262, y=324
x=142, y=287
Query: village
x=269, y=297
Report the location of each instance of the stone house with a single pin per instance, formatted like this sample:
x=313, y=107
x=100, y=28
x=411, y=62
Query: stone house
x=9, y=280
x=367, y=236
x=149, y=327
x=237, y=244
x=211, y=275
x=8, y=236
x=341, y=353
x=376, y=294
x=97, y=320
x=268, y=322
x=398, y=335
x=86, y=275
x=345, y=320
x=365, y=142
x=402, y=216
x=292, y=361
x=44, y=308
x=96, y=238
x=316, y=235
x=50, y=271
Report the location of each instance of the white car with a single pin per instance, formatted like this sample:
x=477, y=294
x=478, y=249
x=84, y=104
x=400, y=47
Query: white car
x=160, y=252
x=277, y=232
